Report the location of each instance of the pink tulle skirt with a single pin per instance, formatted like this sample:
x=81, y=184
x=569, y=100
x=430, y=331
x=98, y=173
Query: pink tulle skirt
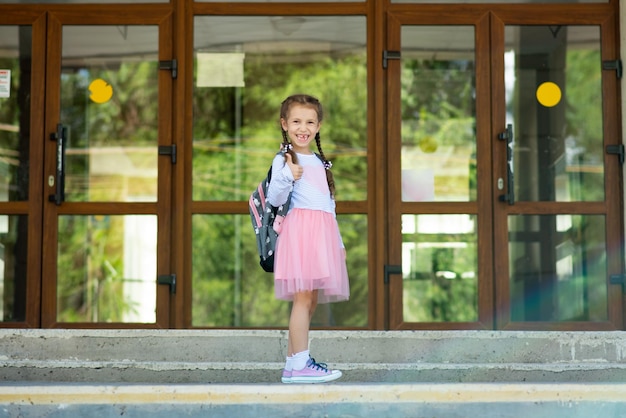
x=309, y=256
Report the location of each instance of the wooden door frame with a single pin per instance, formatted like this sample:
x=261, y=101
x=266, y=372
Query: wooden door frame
x=598, y=15
x=604, y=14
x=157, y=15
x=379, y=14
x=31, y=208
x=369, y=207
x=435, y=16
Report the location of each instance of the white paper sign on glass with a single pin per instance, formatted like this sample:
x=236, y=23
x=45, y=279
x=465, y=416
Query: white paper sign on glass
x=5, y=83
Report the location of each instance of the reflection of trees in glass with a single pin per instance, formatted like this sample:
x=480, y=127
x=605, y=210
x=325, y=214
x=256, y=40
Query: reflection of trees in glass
x=236, y=131
x=442, y=285
x=90, y=265
x=438, y=102
x=90, y=280
x=438, y=119
x=452, y=298
x=129, y=119
x=229, y=287
x=236, y=134
x=583, y=131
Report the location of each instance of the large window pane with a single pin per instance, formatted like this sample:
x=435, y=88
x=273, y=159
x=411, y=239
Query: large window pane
x=554, y=103
x=107, y=268
x=438, y=114
x=557, y=268
x=109, y=104
x=242, y=76
x=13, y=267
x=15, y=73
x=231, y=290
x=439, y=268
x=229, y=287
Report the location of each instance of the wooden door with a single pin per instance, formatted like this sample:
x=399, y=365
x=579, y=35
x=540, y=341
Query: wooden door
x=504, y=169
x=108, y=161
x=439, y=158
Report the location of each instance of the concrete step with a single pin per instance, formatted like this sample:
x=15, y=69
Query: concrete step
x=450, y=400
x=256, y=356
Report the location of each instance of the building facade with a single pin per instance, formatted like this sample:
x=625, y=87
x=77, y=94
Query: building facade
x=477, y=148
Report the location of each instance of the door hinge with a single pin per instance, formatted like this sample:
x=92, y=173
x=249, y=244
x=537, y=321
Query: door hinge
x=171, y=65
x=618, y=279
x=168, y=279
x=617, y=150
x=390, y=55
x=613, y=65
x=389, y=270
x=168, y=150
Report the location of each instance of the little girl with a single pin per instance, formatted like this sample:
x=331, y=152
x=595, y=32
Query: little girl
x=310, y=259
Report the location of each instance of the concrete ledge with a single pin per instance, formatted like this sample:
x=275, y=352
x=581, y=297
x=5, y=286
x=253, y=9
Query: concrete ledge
x=258, y=372
x=340, y=346
x=256, y=356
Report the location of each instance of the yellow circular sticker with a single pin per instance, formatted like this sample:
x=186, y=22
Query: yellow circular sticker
x=101, y=91
x=548, y=94
x=428, y=144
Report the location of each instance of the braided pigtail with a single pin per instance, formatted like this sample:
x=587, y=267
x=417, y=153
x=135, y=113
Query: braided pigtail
x=327, y=165
x=288, y=148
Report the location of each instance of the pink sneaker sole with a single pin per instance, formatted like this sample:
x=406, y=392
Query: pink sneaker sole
x=286, y=377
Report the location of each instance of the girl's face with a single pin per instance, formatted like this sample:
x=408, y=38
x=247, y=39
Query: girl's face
x=301, y=126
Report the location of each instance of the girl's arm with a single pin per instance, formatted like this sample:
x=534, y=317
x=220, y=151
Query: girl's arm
x=281, y=183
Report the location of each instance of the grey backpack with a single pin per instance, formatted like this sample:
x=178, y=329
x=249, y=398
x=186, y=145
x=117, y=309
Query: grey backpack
x=263, y=216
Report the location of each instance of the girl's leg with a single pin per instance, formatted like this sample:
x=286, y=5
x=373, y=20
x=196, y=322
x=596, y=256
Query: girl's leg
x=304, y=304
x=305, y=369
x=312, y=306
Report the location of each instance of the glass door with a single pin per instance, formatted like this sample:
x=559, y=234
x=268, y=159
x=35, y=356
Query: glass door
x=108, y=160
x=21, y=127
x=240, y=79
x=440, y=274
x=505, y=208
x=557, y=220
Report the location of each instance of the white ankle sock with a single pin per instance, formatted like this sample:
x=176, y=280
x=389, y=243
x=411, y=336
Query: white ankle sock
x=289, y=363
x=299, y=360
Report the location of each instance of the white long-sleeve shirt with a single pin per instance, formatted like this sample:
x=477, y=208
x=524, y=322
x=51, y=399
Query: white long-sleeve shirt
x=309, y=192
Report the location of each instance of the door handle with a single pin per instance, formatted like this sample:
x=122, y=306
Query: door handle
x=389, y=270
x=60, y=136
x=507, y=136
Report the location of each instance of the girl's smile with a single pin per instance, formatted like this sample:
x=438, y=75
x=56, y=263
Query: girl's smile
x=301, y=126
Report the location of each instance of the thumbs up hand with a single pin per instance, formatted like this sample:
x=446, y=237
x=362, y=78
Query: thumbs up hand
x=296, y=169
